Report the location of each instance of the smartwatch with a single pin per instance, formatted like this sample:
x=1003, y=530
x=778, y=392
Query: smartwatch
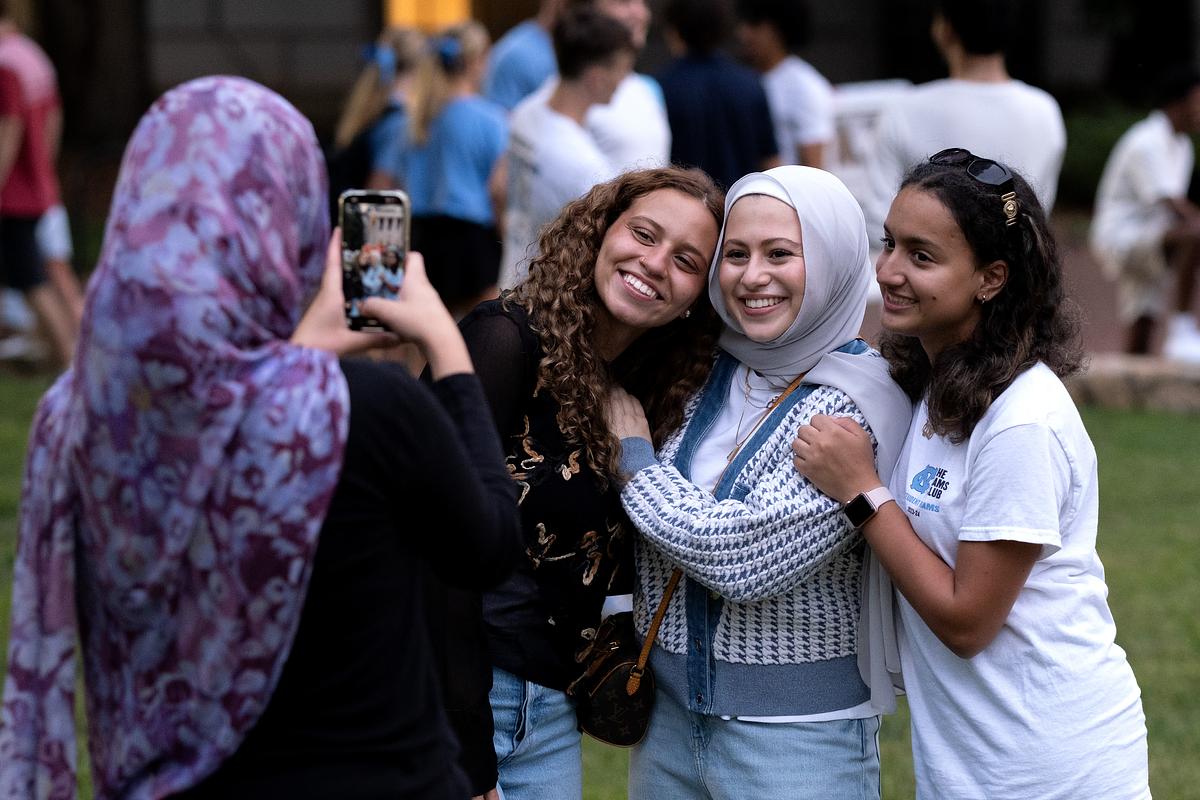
x=864, y=505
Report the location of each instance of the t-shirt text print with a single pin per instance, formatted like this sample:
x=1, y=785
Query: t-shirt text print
x=926, y=489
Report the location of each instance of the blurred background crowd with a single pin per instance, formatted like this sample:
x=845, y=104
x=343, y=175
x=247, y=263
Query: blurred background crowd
x=493, y=115
x=466, y=106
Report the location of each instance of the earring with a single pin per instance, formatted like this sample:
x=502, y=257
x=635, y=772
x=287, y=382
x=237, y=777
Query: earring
x=983, y=298
x=687, y=312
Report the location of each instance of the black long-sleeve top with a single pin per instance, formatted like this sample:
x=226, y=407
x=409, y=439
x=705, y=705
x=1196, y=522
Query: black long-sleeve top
x=577, y=546
x=357, y=712
x=576, y=543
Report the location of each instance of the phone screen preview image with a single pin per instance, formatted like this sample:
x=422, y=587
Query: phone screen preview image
x=374, y=245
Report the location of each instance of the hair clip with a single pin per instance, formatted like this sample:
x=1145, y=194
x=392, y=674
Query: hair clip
x=1011, y=208
x=449, y=51
x=384, y=59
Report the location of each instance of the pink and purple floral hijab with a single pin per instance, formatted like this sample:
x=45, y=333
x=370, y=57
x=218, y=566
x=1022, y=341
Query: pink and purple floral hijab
x=179, y=473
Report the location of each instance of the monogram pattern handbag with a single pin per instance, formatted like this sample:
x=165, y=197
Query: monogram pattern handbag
x=615, y=694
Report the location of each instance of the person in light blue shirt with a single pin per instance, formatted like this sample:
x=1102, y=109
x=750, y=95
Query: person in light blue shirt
x=447, y=173
x=523, y=58
x=455, y=140
x=373, y=125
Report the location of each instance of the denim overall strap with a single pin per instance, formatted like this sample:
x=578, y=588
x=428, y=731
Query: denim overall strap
x=702, y=606
x=712, y=398
x=724, y=487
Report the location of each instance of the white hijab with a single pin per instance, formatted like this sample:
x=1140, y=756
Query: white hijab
x=837, y=279
x=837, y=272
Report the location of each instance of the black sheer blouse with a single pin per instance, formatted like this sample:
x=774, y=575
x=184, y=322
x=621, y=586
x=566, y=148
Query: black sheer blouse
x=576, y=535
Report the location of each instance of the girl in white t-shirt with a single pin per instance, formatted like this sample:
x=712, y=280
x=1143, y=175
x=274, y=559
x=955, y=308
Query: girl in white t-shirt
x=1016, y=686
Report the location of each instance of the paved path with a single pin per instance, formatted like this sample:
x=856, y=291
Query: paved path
x=1087, y=286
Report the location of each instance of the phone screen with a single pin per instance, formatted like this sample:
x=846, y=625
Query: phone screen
x=375, y=228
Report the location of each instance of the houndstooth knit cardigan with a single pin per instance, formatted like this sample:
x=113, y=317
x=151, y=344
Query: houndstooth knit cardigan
x=785, y=562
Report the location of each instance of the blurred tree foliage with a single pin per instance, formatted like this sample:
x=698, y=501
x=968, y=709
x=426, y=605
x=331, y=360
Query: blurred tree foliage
x=1146, y=38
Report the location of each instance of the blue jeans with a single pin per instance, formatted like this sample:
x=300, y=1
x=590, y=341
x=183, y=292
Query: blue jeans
x=687, y=756
x=538, y=748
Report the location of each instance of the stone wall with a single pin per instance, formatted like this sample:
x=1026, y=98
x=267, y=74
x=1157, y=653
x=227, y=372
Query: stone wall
x=1115, y=380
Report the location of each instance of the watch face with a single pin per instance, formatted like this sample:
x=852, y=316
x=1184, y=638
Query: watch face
x=859, y=510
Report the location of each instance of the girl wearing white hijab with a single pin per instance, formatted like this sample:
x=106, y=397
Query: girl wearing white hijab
x=760, y=689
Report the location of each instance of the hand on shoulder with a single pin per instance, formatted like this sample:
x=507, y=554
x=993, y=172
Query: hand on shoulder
x=625, y=415
x=835, y=454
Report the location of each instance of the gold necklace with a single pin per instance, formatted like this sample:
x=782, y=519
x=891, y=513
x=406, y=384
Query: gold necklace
x=738, y=440
x=775, y=402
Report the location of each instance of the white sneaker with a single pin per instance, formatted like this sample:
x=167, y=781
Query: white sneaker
x=22, y=347
x=1183, y=339
x=14, y=311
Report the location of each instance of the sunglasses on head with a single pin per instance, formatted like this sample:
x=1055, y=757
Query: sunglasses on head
x=987, y=172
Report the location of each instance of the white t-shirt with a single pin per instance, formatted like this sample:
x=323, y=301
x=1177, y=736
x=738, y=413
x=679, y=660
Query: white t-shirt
x=1049, y=709
x=1149, y=163
x=551, y=161
x=1011, y=122
x=801, y=103
x=631, y=129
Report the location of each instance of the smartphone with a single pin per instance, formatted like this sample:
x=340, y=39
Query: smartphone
x=375, y=233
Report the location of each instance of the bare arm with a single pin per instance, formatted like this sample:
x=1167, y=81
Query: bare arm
x=965, y=606
x=1188, y=214
x=54, y=125
x=10, y=142
x=498, y=190
x=770, y=162
x=813, y=155
x=1183, y=207
x=380, y=179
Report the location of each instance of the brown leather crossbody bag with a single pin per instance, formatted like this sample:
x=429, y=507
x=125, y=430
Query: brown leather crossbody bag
x=615, y=694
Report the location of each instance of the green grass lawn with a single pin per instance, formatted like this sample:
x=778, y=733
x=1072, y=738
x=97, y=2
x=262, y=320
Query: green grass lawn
x=1149, y=541
x=18, y=397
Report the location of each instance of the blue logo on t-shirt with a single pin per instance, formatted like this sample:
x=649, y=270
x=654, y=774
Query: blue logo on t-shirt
x=930, y=482
x=923, y=479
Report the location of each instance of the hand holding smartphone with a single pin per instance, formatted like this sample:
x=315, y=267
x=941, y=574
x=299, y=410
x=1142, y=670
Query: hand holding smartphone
x=375, y=235
x=419, y=316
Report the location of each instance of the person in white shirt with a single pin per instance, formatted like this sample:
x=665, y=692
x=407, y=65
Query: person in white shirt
x=1015, y=683
x=801, y=100
x=630, y=129
x=979, y=107
x=1145, y=228
x=551, y=158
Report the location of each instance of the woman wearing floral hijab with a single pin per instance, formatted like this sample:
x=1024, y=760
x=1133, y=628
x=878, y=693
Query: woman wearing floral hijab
x=760, y=692
x=182, y=473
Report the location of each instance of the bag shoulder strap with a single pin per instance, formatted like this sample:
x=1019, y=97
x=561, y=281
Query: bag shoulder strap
x=639, y=669
x=635, y=674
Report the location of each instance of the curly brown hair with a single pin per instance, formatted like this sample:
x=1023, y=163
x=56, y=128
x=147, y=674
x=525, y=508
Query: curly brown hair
x=1029, y=320
x=662, y=368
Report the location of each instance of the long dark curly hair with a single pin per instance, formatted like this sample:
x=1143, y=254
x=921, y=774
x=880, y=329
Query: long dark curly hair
x=1029, y=320
x=662, y=368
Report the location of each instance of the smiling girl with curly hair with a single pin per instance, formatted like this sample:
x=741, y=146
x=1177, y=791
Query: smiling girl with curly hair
x=615, y=297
